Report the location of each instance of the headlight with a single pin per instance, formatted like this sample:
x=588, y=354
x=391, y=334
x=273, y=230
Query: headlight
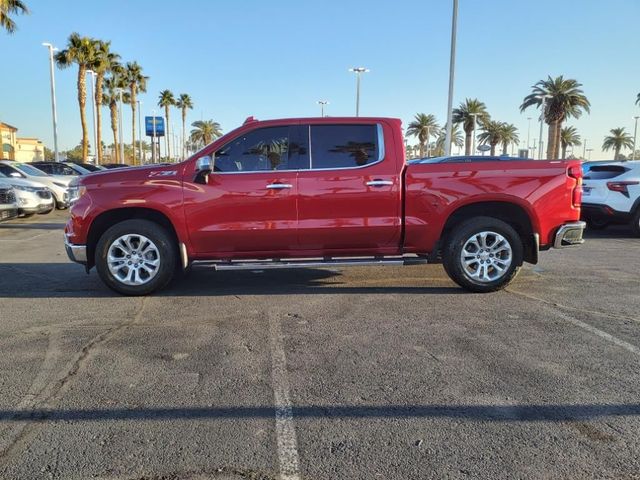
x=26, y=189
x=75, y=192
x=61, y=185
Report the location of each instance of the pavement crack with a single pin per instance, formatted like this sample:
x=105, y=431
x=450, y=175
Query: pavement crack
x=11, y=442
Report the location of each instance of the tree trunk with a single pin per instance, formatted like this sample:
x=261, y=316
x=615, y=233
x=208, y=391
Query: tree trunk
x=166, y=133
x=505, y=146
x=113, y=109
x=467, y=142
x=558, y=142
x=493, y=149
x=551, y=140
x=133, y=121
x=617, y=154
x=82, y=101
x=98, y=101
x=421, y=149
x=184, y=123
x=564, y=151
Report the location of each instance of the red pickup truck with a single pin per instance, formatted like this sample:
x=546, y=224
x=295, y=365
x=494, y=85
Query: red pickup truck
x=319, y=192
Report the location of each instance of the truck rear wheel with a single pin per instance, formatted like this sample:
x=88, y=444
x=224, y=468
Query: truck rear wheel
x=483, y=254
x=136, y=257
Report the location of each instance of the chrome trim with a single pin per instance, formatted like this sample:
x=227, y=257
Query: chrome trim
x=381, y=149
x=379, y=183
x=76, y=253
x=279, y=186
x=564, y=229
x=184, y=256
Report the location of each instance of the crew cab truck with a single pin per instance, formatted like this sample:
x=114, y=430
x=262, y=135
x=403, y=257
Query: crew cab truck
x=321, y=192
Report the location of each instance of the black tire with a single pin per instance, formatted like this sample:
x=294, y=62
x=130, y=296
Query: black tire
x=456, y=241
x=162, y=240
x=597, y=224
x=635, y=224
x=58, y=204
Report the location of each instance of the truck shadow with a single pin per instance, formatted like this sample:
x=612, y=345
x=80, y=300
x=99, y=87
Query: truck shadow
x=66, y=280
x=614, y=231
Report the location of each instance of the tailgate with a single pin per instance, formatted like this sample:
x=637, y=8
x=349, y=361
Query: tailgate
x=594, y=183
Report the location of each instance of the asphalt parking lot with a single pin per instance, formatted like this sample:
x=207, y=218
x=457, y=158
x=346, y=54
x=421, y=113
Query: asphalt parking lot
x=365, y=373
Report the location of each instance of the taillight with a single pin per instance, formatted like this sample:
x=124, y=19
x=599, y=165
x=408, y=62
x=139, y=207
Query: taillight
x=621, y=187
x=575, y=171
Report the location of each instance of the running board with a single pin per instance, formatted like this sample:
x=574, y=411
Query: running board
x=311, y=263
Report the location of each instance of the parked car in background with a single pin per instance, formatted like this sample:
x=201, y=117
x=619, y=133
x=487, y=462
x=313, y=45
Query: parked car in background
x=87, y=166
x=32, y=197
x=8, y=202
x=115, y=165
x=61, y=168
x=59, y=185
x=321, y=192
x=611, y=195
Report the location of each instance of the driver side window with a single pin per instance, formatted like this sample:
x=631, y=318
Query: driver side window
x=261, y=150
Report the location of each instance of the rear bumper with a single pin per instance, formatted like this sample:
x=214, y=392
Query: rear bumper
x=594, y=211
x=569, y=234
x=76, y=253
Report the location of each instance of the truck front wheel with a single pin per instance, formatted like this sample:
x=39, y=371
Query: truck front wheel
x=483, y=254
x=135, y=257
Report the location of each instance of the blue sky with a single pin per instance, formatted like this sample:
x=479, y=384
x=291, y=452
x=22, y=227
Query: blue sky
x=276, y=58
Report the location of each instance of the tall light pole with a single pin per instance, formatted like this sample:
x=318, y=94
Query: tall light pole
x=473, y=140
x=542, y=112
x=140, y=151
x=54, y=111
x=584, y=150
x=358, y=71
x=528, y=134
x=589, y=150
x=93, y=112
x=154, y=154
x=452, y=67
x=635, y=137
x=322, y=103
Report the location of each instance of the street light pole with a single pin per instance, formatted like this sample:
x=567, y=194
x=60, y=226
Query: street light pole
x=589, y=150
x=452, y=65
x=528, y=134
x=93, y=111
x=154, y=154
x=54, y=112
x=358, y=71
x=584, y=150
x=635, y=137
x=322, y=103
x=140, y=151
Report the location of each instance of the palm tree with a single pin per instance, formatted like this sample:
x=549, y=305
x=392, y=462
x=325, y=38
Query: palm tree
x=457, y=139
x=136, y=82
x=103, y=62
x=492, y=132
x=81, y=51
x=184, y=103
x=110, y=96
x=468, y=110
x=618, y=140
x=166, y=100
x=205, y=131
x=8, y=8
x=509, y=135
x=568, y=138
x=423, y=127
x=563, y=98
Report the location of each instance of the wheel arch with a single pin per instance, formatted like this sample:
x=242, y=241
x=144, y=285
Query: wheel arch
x=509, y=212
x=111, y=217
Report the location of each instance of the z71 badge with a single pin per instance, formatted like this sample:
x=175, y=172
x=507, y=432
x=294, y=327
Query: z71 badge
x=163, y=173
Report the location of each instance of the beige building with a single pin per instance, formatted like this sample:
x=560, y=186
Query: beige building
x=19, y=149
x=29, y=150
x=7, y=141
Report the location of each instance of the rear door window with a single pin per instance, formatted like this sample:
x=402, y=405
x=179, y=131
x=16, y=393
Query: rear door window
x=344, y=146
x=262, y=150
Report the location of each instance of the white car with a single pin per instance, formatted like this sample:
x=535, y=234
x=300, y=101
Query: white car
x=31, y=197
x=8, y=202
x=59, y=185
x=611, y=195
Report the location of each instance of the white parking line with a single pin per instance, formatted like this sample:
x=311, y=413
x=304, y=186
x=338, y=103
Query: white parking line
x=285, y=430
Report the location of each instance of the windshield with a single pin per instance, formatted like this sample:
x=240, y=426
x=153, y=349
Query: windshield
x=29, y=170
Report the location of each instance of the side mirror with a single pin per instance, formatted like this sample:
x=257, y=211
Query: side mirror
x=204, y=165
x=15, y=175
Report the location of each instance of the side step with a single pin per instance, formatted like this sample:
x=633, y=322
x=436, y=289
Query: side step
x=311, y=263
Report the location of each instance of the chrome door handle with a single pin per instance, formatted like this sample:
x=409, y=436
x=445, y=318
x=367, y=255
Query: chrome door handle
x=379, y=183
x=279, y=186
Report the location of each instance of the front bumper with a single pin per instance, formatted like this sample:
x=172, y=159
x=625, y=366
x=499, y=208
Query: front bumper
x=569, y=234
x=76, y=253
x=8, y=213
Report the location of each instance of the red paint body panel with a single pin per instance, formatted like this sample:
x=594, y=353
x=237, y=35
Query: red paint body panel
x=326, y=212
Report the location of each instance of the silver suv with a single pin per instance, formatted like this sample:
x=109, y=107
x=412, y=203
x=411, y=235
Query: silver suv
x=8, y=202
